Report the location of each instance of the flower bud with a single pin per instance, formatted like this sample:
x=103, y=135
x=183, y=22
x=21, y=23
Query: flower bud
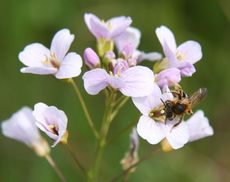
x=91, y=58
x=110, y=55
x=131, y=157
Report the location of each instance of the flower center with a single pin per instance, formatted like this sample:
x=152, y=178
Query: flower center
x=109, y=25
x=52, y=61
x=180, y=56
x=53, y=129
x=120, y=66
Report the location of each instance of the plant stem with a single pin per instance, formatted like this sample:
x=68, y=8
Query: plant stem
x=142, y=159
x=89, y=119
x=118, y=106
x=103, y=134
x=55, y=167
x=69, y=148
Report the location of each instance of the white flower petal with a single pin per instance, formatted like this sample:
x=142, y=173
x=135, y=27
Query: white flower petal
x=150, y=56
x=177, y=136
x=199, y=126
x=70, y=67
x=41, y=120
x=191, y=51
x=98, y=28
x=21, y=126
x=95, y=80
x=187, y=69
x=130, y=36
x=118, y=25
x=61, y=43
x=34, y=55
x=167, y=94
x=166, y=36
x=147, y=103
x=39, y=70
x=139, y=81
x=171, y=56
x=150, y=130
x=116, y=82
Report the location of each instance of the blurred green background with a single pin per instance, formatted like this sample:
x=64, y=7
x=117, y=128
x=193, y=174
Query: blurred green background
x=27, y=21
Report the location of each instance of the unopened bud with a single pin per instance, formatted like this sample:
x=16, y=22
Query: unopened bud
x=110, y=55
x=91, y=58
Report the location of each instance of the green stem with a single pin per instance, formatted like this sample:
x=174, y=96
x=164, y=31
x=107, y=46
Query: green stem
x=55, y=167
x=107, y=119
x=77, y=162
x=118, y=106
x=89, y=119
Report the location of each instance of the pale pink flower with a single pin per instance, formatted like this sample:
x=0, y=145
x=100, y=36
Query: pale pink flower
x=137, y=81
x=155, y=131
x=106, y=29
x=21, y=126
x=127, y=43
x=51, y=121
x=182, y=57
x=55, y=61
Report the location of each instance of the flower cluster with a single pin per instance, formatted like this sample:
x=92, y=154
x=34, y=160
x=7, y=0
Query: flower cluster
x=115, y=67
x=140, y=83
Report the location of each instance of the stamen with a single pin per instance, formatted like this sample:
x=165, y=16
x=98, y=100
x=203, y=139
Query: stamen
x=53, y=129
x=51, y=61
x=179, y=56
x=109, y=25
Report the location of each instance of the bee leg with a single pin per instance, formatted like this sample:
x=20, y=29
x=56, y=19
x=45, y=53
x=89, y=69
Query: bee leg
x=176, y=124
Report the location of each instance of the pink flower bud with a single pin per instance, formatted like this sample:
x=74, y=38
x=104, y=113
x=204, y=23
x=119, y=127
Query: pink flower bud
x=110, y=55
x=91, y=58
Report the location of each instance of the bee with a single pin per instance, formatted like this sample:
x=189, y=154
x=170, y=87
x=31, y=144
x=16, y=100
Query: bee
x=180, y=105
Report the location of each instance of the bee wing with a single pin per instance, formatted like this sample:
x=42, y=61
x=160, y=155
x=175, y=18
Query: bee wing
x=198, y=96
